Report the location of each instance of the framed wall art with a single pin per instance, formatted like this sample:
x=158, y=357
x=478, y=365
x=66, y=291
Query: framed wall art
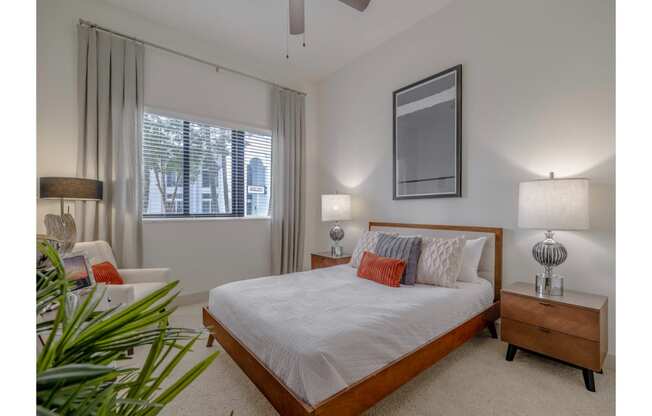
x=428, y=137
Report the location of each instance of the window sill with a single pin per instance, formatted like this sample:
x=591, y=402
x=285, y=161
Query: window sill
x=194, y=219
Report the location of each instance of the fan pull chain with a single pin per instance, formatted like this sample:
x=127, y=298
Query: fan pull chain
x=287, y=32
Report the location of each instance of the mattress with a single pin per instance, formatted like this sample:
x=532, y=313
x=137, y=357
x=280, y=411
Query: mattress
x=321, y=331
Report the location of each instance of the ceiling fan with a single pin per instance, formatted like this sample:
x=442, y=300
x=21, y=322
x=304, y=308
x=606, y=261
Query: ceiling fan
x=297, y=13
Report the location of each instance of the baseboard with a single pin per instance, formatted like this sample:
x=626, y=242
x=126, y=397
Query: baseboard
x=191, y=299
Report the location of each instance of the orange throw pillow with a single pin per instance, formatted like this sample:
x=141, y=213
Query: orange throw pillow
x=383, y=270
x=106, y=273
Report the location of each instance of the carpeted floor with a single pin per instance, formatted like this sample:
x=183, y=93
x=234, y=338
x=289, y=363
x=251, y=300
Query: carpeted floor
x=475, y=379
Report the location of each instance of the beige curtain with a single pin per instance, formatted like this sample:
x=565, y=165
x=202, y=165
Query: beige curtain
x=288, y=176
x=110, y=93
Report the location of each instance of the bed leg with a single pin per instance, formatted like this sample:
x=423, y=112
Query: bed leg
x=209, y=342
x=492, y=329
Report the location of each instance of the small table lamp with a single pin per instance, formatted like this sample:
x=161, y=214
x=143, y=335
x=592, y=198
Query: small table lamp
x=76, y=189
x=336, y=207
x=552, y=204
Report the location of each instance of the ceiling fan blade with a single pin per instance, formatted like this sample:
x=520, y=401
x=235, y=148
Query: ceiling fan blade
x=359, y=5
x=297, y=15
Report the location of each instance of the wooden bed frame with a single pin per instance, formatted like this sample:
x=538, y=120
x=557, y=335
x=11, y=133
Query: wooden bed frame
x=371, y=389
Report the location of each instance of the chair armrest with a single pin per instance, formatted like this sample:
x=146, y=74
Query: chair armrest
x=151, y=275
x=116, y=295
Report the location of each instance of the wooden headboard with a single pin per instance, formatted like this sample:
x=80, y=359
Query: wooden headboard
x=491, y=262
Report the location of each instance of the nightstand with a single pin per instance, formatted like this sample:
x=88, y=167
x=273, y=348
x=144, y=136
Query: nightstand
x=326, y=259
x=570, y=328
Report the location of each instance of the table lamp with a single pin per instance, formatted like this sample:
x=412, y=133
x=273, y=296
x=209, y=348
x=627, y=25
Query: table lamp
x=336, y=207
x=63, y=226
x=552, y=204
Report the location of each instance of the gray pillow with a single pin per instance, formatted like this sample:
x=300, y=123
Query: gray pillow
x=407, y=249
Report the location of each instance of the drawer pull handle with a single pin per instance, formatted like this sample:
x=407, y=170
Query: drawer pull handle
x=546, y=304
x=546, y=330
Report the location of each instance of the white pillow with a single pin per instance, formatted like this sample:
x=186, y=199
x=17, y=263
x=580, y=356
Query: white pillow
x=471, y=260
x=367, y=242
x=441, y=261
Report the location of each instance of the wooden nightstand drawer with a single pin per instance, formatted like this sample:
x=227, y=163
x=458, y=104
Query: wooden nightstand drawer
x=578, y=351
x=579, y=322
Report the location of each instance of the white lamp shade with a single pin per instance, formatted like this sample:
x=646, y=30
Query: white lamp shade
x=554, y=204
x=335, y=207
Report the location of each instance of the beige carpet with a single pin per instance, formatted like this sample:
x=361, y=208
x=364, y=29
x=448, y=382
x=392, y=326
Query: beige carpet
x=473, y=380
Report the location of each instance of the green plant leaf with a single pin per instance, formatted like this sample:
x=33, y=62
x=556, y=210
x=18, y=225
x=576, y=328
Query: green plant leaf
x=42, y=411
x=68, y=374
x=126, y=314
x=177, y=387
x=46, y=356
x=168, y=368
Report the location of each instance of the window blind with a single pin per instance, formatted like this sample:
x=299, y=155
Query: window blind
x=199, y=169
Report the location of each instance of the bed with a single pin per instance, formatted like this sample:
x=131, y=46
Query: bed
x=325, y=342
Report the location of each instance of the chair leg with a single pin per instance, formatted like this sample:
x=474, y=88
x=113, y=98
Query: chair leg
x=209, y=342
x=511, y=352
x=492, y=329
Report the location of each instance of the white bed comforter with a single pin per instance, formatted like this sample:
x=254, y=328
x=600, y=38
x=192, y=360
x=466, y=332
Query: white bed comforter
x=323, y=330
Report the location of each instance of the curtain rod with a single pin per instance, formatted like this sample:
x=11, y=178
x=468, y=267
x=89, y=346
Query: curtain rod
x=192, y=58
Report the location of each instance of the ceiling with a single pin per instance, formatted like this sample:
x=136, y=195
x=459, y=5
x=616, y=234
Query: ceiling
x=335, y=33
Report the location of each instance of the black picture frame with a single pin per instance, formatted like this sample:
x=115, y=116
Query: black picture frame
x=457, y=69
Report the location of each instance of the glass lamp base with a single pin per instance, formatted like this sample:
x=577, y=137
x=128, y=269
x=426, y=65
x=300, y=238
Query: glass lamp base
x=337, y=234
x=549, y=285
x=336, y=250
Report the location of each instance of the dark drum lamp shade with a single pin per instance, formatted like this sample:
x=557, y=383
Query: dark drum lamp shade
x=63, y=226
x=78, y=189
x=70, y=188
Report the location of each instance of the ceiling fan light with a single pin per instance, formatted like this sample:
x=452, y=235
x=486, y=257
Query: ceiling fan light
x=359, y=5
x=297, y=17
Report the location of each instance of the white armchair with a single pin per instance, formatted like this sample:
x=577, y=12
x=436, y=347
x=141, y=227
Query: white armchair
x=138, y=282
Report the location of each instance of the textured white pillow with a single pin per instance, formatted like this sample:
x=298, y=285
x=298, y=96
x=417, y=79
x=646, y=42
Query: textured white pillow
x=367, y=242
x=471, y=260
x=441, y=261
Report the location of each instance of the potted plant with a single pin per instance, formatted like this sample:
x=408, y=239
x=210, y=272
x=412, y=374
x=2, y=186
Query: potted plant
x=82, y=367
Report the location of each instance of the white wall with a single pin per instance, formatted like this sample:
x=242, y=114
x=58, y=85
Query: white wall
x=202, y=253
x=538, y=85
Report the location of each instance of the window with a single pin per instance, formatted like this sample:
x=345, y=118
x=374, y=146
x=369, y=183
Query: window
x=171, y=177
x=258, y=162
x=200, y=169
x=205, y=178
